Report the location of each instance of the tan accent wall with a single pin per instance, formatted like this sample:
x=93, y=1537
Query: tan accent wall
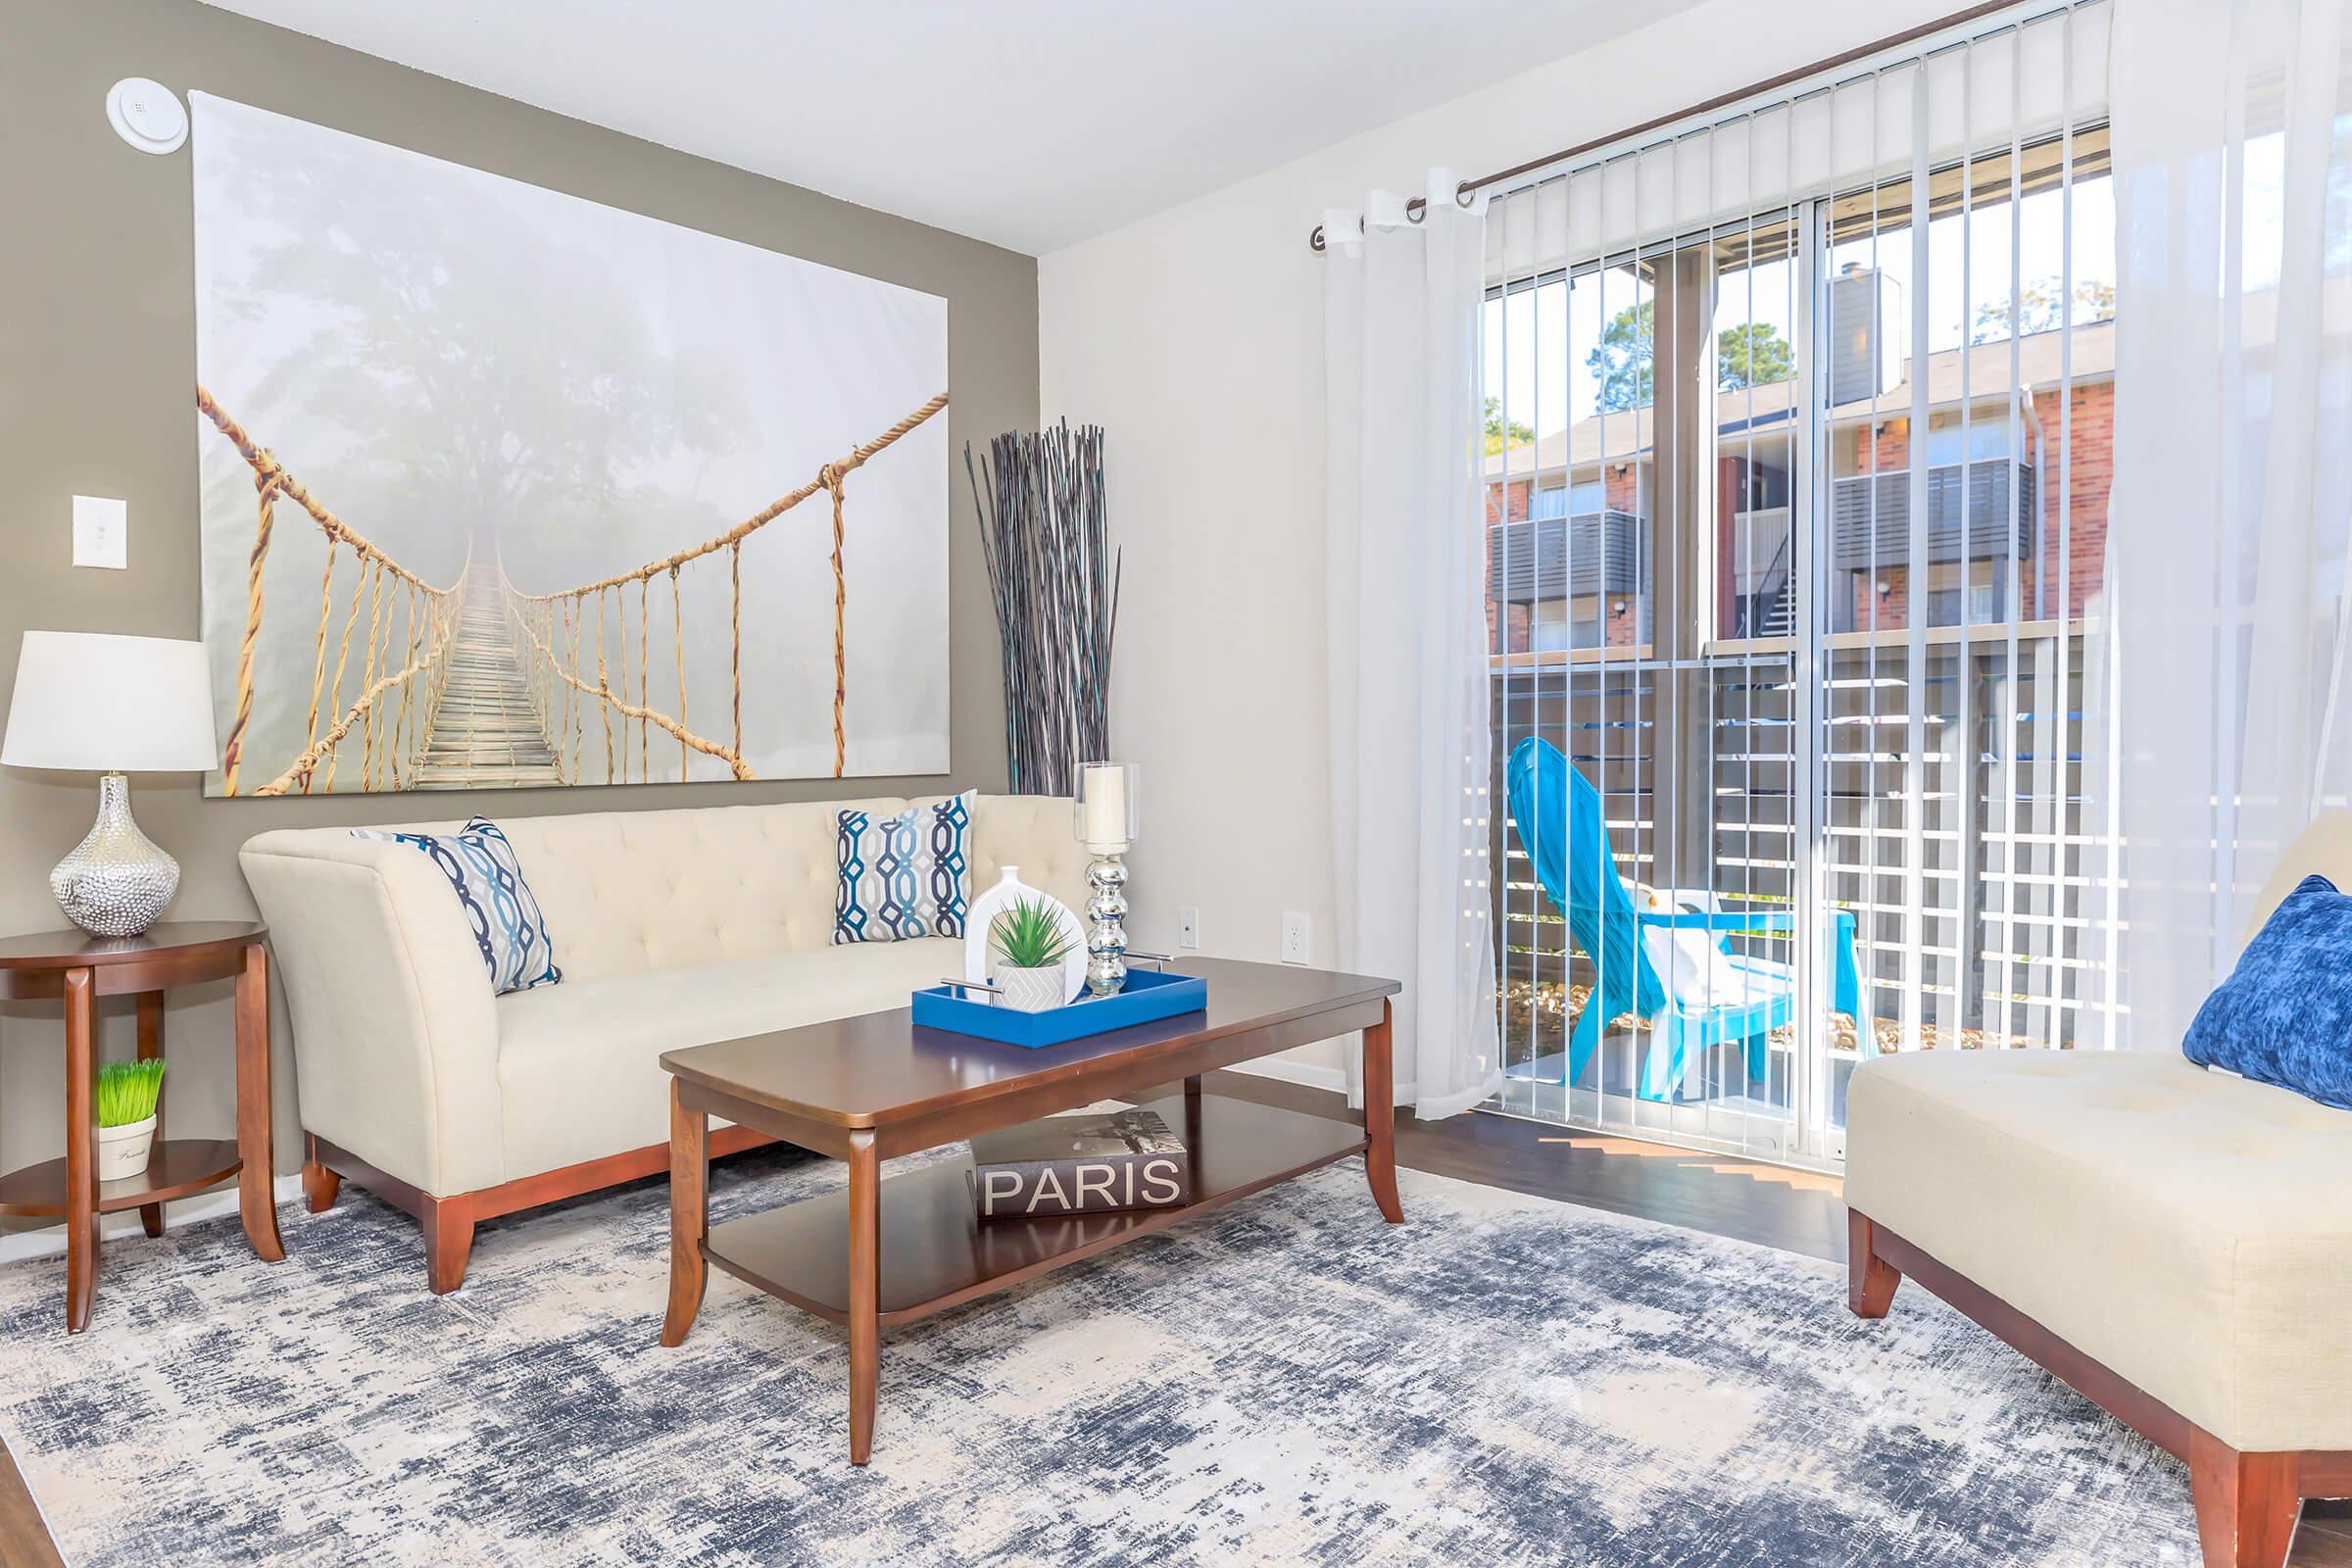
x=97, y=372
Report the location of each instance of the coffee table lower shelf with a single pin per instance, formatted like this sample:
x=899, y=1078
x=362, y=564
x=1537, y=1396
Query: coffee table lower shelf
x=937, y=1253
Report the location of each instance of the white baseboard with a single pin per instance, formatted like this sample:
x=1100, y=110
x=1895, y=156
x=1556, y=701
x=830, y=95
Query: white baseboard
x=1311, y=1074
x=51, y=1241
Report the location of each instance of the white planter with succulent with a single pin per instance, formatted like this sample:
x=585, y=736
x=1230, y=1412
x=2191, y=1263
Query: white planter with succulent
x=1030, y=943
x=128, y=1091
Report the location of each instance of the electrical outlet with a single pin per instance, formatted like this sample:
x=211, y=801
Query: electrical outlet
x=1188, y=927
x=1293, y=937
x=100, y=526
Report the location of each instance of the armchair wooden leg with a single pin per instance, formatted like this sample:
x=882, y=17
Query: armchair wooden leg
x=1870, y=1279
x=2247, y=1503
x=448, y=1242
x=320, y=1185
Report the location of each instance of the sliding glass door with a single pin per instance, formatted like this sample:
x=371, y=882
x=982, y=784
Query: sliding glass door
x=1795, y=521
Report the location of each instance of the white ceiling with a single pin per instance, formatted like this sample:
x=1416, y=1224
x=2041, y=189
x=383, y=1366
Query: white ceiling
x=1032, y=124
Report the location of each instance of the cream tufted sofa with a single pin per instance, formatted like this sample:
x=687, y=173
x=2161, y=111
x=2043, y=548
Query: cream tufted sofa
x=672, y=928
x=2174, y=1242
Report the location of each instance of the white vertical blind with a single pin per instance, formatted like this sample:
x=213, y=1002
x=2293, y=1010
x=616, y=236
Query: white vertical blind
x=2028, y=78
x=1836, y=368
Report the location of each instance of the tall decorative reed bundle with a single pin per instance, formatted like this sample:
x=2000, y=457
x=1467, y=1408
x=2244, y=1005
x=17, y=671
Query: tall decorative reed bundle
x=1058, y=598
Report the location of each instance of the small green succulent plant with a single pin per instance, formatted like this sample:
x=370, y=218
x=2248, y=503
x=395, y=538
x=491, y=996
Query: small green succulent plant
x=1029, y=936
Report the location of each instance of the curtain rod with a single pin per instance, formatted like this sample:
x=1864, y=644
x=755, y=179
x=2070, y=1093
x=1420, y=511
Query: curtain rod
x=1722, y=100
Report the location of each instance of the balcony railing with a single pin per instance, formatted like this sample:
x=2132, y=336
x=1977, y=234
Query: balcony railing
x=1870, y=515
x=1994, y=950
x=1564, y=557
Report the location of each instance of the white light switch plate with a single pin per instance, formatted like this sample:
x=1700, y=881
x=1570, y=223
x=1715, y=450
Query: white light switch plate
x=1188, y=927
x=101, y=532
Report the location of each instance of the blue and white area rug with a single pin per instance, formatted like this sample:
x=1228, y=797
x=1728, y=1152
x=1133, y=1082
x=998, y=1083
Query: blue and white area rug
x=1500, y=1380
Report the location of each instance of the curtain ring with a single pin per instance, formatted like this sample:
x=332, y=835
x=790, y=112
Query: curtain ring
x=1415, y=211
x=1464, y=194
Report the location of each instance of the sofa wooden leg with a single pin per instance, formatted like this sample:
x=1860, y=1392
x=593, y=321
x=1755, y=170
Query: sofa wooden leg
x=319, y=1183
x=1870, y=1279
x=448, y=1242
x=2247, y=1503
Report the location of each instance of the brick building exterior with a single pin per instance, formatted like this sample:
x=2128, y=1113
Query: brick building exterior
x=2081, y=500
x=2079, y=497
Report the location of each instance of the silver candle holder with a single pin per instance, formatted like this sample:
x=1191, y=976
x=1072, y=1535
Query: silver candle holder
x=1105, y=825
x=1105, y=924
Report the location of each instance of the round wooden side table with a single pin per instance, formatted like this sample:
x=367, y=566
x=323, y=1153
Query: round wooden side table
x=79, y=968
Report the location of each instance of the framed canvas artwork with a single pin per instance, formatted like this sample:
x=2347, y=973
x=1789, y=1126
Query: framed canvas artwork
x=503, y=488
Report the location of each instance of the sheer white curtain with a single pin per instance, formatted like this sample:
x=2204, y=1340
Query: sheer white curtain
x=1409, y=752
x=2227, y=590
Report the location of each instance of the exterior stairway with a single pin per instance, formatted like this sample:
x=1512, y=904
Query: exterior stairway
x=485, y=734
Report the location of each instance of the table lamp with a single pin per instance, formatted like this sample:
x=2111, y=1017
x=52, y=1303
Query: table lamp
x=99, y=704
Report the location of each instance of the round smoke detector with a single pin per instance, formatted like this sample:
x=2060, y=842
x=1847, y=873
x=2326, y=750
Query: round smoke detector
x=146, y=114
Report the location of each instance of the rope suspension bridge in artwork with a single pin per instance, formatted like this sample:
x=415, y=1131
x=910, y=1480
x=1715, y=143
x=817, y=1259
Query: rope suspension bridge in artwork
x=479, y=684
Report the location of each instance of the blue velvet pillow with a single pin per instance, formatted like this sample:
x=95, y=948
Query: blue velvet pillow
x=2284, y=1014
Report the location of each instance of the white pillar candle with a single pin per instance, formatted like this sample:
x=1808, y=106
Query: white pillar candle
x=1105, y=788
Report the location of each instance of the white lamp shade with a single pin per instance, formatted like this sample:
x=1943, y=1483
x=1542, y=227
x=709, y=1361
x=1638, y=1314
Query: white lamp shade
x=101, y=704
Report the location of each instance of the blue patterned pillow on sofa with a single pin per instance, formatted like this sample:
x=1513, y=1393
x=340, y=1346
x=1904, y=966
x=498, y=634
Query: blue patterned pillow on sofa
x=487, y=879
x=2284, y=1014
x=904, y=876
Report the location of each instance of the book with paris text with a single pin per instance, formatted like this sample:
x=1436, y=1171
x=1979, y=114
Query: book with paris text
x=1080, y=1165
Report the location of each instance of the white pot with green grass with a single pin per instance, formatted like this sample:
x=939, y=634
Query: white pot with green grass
x=127, y=1093
x=1027, y=942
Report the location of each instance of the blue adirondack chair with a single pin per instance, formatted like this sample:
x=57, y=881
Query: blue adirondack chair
x=1698, y=993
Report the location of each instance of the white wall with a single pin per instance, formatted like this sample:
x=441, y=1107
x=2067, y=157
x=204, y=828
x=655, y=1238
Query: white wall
x=1195, y=336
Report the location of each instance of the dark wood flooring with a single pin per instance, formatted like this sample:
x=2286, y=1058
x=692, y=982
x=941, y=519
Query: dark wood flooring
x=24, y=1542
x=1751, y=1203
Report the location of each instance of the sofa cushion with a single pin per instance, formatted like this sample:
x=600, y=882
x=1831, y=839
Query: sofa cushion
x=2183, y=1228
x=633, y=890
x=1035, y=833
x=2284, y=1014
x=579, y=1066
x=906, y=875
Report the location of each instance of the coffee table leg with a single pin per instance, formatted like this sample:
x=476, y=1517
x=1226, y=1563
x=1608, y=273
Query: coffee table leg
x=255, y=1202
x=1380, y=1116
x=151, y=1045
x=82, y=1166
x=866, y=1290
x=689, y=1215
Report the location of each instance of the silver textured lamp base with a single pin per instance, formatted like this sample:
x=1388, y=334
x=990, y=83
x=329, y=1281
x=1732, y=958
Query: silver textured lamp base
x=1105, y=924
x=118, y=882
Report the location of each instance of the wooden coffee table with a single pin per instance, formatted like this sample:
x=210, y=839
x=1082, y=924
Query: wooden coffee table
x=866, y=1089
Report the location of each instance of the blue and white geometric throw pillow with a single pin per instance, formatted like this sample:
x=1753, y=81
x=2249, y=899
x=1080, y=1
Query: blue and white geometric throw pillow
x=487, y=879
x=904, y=876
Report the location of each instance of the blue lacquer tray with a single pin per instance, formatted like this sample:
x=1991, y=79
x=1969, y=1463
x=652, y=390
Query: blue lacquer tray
x=1149, y=996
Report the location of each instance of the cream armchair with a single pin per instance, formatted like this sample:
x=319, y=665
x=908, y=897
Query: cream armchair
x=2174, y=1242
x=672, y=928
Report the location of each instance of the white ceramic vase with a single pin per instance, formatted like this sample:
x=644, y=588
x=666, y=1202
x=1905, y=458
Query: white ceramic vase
x=1030, y=989
x=122, y=1150
x=978, y=961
